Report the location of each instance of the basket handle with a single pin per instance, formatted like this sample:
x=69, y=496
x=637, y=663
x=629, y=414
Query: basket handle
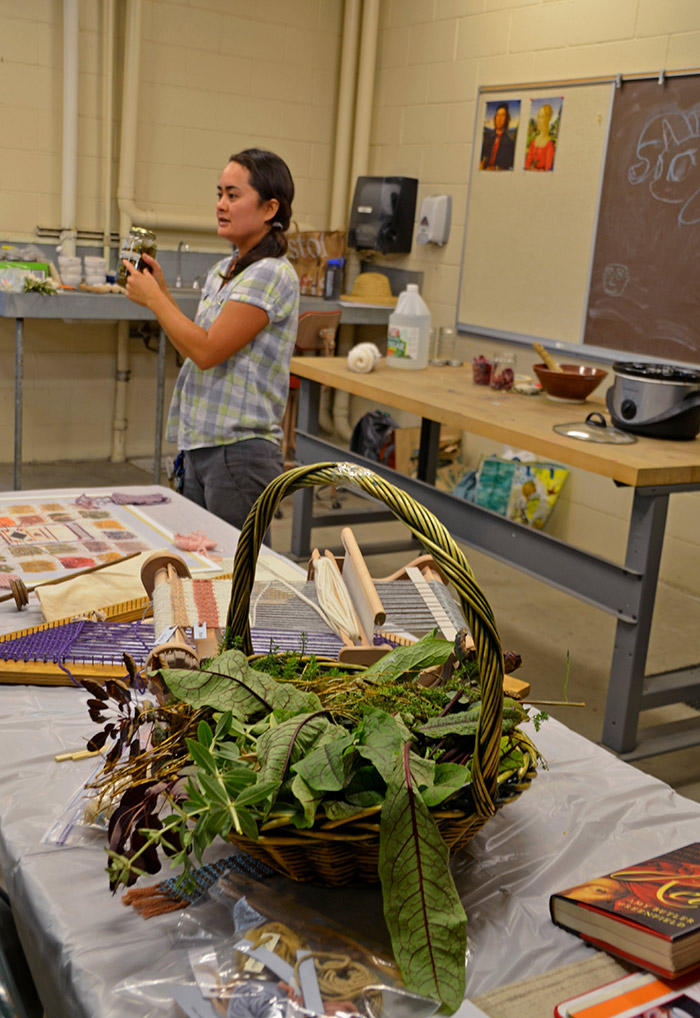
x=438, y=542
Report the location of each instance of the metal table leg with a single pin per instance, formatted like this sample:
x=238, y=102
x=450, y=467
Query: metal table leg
x=428, y=450
x=160, y=394
x=19, y=381
x=303, y=500
x=626, y=685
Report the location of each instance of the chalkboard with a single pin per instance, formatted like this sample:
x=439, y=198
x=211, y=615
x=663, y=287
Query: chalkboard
x=645, y=279
x=529, y=236
x=603, y=249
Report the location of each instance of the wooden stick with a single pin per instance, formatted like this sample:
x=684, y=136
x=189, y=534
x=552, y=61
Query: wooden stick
x=360, y=584
x=78, y=754
x=78, y=572
x=547, y=357
x=555, y=703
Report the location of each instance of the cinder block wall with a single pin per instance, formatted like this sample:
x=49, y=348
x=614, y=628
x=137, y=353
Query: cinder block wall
x=216, y=76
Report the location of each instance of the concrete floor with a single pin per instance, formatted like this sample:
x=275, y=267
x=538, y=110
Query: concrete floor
x=540, y=623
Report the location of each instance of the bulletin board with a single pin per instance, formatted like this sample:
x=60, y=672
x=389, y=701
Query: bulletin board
x=529, y=235
x=602, y=249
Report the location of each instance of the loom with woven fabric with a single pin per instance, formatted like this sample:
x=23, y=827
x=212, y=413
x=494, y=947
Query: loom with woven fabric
x=338, y=611
x=283, y=616
x=64, y=652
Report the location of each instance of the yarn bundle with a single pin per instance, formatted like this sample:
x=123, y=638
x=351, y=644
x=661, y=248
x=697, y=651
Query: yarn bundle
x=363, y=357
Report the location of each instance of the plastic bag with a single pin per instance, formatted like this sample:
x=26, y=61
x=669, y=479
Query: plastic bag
x=523, y=492
x=373, y=437
x=266, y=954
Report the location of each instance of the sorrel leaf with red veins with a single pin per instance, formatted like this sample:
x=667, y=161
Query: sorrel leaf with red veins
x=228, y=683
x=288, y=742
x=422, y=909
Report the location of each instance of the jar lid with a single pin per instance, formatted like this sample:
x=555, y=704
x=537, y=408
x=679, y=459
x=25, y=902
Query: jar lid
x=143, y=231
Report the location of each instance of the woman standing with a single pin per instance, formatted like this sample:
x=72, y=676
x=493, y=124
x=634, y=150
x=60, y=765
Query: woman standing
x=231, y=393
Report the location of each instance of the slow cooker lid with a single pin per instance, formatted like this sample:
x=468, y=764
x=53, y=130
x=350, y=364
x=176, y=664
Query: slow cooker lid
x=657, y=372
x=594, y=429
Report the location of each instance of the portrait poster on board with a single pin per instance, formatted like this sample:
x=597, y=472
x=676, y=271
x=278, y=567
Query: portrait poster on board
x=543, y=133
x=501, y=120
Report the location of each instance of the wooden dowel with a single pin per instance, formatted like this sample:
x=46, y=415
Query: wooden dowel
x=77, y=754
x=360, y=584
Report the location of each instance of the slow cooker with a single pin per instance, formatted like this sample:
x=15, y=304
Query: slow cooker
x=658, y=400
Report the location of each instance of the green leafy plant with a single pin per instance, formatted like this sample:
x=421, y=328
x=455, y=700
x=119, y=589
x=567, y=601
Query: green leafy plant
x=242, y=747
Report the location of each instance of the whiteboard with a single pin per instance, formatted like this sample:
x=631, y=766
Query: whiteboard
x=529, y=236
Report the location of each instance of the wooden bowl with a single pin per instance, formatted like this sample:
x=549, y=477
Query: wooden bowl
x=573, y=384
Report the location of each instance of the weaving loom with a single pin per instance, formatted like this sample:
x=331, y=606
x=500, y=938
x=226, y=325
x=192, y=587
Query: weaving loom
x=61, y=653
x=293, y=617
x=282, y=617
x=189, y=615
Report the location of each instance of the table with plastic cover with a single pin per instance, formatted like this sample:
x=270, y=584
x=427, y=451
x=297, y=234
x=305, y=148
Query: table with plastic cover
x=654, y=469
x=92, y=957
x=588, y=814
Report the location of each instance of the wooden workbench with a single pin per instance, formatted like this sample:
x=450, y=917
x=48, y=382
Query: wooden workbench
x=654, y=468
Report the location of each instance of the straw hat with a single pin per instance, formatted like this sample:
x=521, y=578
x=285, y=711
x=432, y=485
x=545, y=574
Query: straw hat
x=370, y=288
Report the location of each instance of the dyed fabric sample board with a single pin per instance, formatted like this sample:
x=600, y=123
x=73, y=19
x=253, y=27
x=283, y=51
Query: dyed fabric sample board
x=46, y=539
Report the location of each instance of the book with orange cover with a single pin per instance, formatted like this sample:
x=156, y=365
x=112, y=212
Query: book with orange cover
x=638, y=995
x=648, y=913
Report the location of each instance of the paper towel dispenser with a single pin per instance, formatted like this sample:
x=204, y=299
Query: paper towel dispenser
x=382, y=214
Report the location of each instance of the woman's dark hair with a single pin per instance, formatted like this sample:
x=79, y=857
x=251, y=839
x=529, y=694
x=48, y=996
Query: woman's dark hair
x=270, y=177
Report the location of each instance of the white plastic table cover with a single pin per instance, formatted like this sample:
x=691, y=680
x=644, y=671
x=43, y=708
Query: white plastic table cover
x=588, y=813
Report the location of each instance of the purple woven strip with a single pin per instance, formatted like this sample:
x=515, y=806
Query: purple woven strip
x=83, y=642
x=47, y=645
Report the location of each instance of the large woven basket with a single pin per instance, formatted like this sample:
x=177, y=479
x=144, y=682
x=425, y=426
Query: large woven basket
x=335, y=852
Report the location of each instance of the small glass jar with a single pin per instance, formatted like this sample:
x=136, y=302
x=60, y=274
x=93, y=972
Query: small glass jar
x=138, y=241
x=434, y=357
x=503, y=372
x=481, y=370
x=447, y=346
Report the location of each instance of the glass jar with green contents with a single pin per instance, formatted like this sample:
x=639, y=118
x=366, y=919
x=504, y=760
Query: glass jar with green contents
x=138, y=241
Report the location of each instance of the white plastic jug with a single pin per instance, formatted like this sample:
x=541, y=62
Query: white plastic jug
x=409, y=331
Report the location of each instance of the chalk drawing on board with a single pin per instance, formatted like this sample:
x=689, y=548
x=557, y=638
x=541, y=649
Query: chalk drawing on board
x=543, y=133
x=501, y=120
x=668, y=157
x=649, y=211
x=615, y=279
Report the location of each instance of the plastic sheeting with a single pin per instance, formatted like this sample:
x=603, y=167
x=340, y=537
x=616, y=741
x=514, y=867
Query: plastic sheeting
x=588, y=813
